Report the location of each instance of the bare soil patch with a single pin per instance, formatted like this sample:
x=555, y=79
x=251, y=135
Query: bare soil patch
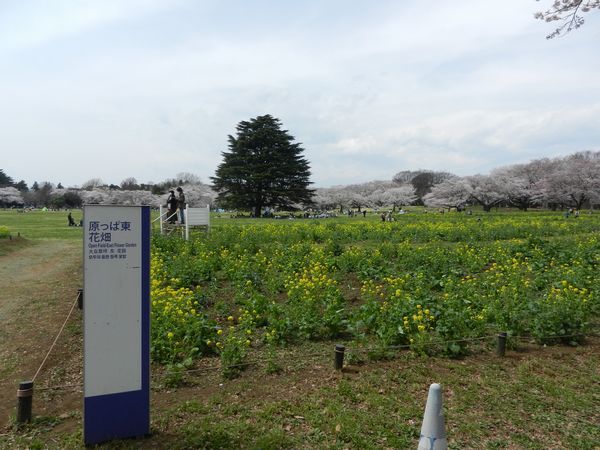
x=38, y=285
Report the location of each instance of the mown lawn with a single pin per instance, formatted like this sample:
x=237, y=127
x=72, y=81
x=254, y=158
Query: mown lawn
x=41, y=224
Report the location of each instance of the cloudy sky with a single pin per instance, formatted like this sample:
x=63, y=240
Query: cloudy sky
x=149, y=88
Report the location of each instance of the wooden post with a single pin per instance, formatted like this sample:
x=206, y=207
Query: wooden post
x=501, y=349
x=25, y=400
x=338, y=362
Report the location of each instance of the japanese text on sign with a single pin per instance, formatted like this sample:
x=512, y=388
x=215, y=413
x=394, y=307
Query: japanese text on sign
x=102, y=239
x=102, y=231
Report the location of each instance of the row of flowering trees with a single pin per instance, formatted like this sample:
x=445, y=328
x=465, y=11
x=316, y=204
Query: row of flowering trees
x=197, y=194
x=572, y=181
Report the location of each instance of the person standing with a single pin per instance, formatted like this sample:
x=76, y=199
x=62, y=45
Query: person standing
x=181, y=204
x=172, y=207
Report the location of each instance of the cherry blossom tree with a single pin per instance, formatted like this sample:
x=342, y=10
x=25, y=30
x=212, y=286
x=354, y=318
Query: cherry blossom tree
x=199, y=195
x=575, y=180
x=341, y=197
x=400, y=196
x=485, y=191
x=451, y=193
x=378, y=198
x=95, y=196
x=522, y=184
x=10, y=196
x=569, y=14
x=322, y=200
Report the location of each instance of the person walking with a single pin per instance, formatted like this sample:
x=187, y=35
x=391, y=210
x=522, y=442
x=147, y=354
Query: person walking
x=181, y=204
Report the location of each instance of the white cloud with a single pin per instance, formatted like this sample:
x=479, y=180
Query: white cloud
x=30, y=23
x=369, y=90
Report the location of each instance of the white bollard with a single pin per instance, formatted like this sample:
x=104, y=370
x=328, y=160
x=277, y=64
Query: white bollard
x=433, y=430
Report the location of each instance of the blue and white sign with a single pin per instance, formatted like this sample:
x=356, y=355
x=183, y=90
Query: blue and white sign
x=116, y=313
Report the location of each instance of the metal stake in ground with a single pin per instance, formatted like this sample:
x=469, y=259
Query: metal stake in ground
x=24, y=401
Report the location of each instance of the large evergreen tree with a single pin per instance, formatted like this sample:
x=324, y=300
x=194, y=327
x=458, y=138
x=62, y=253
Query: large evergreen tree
x=263, y=167
x=5, y=180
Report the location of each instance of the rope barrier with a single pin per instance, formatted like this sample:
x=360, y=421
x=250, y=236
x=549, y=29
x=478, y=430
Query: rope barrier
x=347, y=350
x=558, y=336
x=55, y=388
x=408, y=346
x=55, y=340
x=257, y=361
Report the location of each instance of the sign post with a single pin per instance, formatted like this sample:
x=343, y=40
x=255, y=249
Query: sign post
x=116, y=322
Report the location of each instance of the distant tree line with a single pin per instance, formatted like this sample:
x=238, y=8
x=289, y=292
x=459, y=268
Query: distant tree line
x=94, y=190
x=570, y=181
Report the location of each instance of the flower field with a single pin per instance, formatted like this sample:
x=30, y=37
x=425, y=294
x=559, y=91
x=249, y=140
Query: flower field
x=427, y=281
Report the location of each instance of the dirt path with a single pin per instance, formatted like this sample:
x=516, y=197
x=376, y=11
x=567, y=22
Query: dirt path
x=38, y=285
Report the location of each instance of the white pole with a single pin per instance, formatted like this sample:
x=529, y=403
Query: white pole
x=160, y=212
x=187, y=224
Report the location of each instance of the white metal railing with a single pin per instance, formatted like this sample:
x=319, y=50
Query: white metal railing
x=193, y=217
x=162, y=217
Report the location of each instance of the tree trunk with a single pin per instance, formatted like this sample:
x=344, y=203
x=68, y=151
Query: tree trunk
x=257, y=210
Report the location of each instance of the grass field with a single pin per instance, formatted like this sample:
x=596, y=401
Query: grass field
x=289, y=396
x=41, y=224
